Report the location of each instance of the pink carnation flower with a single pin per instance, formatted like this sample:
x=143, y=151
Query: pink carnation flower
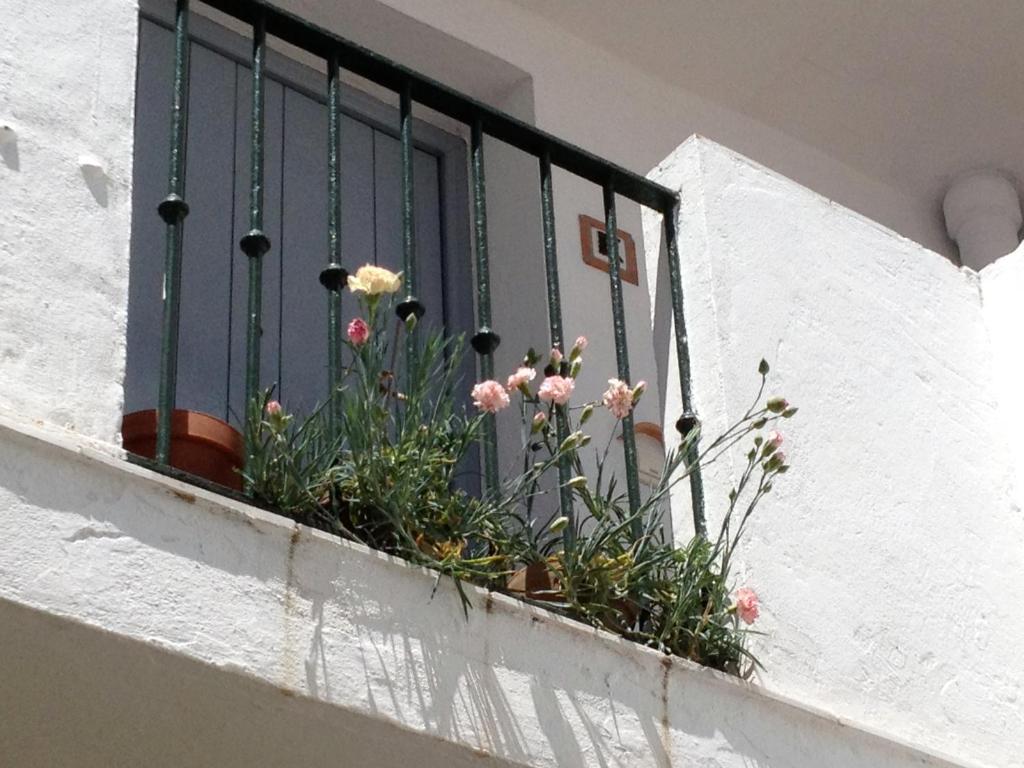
x=358, y=331
x=618, y=398
x=556, y=389
x=774, y=439
x=747, y=605
x=273, y=408
x=489, y=396
x=520, y=377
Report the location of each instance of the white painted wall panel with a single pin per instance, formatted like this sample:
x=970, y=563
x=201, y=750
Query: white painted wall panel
x=886, y=560
x=67, y=75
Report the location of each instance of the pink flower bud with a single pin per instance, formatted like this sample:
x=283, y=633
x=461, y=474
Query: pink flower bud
x=774, y=439
x=556, y=356
x=520, y=378
x=747, y=605
x=581, y=343
x=273, y=408
x=539, y=420
x=358, y=332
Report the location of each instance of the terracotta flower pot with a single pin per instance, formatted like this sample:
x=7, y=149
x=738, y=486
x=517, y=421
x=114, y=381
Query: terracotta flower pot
x=200, y=444
x=536, y=582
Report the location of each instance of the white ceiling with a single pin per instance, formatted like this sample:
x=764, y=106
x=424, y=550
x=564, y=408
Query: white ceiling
x=911, y=92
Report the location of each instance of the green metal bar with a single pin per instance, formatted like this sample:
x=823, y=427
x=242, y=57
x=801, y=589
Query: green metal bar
x=621, y=349
x=410, y=305
x=255, y=243
x=438, y=97
x=173, y=211
x=547, y=210
x=689, y=418
x=334, y=275
x=485, y=340
x=408, y=187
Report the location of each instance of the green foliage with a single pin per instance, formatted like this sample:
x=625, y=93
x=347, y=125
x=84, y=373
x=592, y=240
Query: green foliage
x=389, y=478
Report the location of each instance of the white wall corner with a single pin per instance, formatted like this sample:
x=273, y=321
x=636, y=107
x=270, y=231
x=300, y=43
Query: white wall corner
x=1002, y=295
x=882, y=557
x=65, y=210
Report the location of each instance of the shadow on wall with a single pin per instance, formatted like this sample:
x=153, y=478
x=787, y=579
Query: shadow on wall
x=9, y=148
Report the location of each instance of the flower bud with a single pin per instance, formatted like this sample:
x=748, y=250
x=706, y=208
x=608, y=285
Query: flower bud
x=570, y=442
x=539, y=422
x=638, y=390
x=776, y=404
x=789, y=413
x=358, y=332
x=558, y=524
x=577, y=349
x=586, y=413
x=580, y=481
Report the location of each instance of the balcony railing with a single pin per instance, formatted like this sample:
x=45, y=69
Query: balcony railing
x=482, y=121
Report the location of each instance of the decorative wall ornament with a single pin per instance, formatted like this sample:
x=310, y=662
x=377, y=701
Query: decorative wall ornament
x=595, y=249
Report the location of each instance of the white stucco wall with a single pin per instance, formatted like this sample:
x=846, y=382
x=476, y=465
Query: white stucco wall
x=180, y=582
x=890, y=558
x=1002, y=303
x=67, y=80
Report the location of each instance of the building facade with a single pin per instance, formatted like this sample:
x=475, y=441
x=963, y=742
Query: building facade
x=849, y=211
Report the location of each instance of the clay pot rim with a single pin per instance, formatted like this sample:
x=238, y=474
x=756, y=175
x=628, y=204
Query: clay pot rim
x=198, y=426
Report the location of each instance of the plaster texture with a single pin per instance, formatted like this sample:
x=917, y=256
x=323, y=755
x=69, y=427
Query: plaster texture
x=1002, y=291
x=67, y=84
x=123, y=587
x=887, y=559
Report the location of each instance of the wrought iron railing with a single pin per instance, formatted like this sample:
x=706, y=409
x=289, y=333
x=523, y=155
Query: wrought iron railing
x=338, y=53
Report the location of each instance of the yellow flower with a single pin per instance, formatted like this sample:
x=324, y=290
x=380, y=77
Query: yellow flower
x=374, y=281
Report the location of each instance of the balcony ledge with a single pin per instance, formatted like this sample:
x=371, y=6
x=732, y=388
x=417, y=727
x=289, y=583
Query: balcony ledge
x=173, y=606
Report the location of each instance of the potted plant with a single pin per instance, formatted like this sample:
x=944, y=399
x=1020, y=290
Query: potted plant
x=380, y=461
